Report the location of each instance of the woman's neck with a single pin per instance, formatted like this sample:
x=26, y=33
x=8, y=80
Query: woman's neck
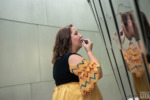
x=74, y=50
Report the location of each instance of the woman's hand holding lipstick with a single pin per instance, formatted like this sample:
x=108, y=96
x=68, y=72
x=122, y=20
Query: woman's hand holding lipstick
x=87, y=45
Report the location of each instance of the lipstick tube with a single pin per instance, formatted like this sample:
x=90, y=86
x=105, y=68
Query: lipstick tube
x=86, y=41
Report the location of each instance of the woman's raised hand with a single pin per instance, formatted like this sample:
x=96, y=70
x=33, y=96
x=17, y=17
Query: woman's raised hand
x=88, y=46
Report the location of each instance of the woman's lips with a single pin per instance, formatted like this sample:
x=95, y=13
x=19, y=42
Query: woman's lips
x=82, y=40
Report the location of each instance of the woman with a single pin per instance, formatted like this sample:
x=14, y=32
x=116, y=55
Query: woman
x=132, y=55
x=74, y=76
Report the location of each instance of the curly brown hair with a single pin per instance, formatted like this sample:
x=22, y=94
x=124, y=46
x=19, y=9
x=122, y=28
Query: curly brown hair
x=62, y=43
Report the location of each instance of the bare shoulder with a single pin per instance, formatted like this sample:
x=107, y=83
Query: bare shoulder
x=74, y=59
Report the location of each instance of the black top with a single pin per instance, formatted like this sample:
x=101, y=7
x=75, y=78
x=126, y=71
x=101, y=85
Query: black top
x=61, y=71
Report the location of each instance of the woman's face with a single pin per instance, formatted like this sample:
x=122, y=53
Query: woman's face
x=76, y=38
x=128, y=33
x=130, y=26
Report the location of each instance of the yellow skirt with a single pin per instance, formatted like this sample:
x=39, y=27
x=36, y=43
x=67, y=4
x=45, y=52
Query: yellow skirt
x=140, y=85
x=71, y=91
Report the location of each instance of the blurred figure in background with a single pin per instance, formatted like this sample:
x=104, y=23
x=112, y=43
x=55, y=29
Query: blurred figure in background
x=133, y=55
x=133, y=52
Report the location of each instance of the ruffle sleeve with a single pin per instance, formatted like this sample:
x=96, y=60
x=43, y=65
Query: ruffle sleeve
x=134, y=62
x=89, y=73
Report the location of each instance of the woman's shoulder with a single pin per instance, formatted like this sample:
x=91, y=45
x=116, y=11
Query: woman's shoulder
x=75, y=59
x=66, y=57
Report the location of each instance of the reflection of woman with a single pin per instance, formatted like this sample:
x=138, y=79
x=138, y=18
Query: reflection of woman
x=74, y=76
x=132, y=55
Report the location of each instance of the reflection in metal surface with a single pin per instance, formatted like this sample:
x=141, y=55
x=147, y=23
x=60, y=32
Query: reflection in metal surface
x=132, y=54
x=134, y=44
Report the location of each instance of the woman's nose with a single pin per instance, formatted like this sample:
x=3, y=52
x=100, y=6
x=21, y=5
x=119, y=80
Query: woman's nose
x=80, y=35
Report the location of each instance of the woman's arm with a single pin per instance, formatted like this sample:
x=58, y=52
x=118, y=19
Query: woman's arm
x=89, y=72
x=92, y=57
